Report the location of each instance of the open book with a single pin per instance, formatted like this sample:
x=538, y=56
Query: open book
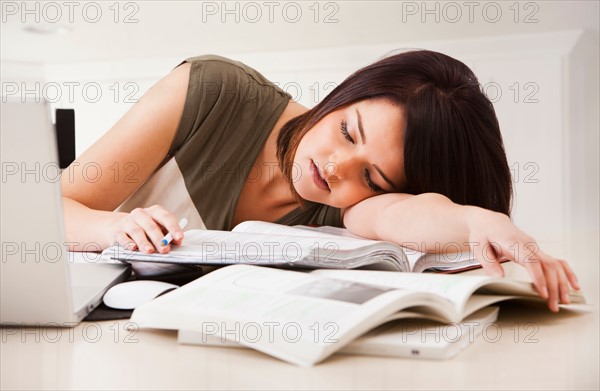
x=414, y=338
x=270, y=244
x=303, y=317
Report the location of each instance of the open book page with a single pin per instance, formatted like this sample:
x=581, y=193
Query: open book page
x=419, y=338
x=409, y=335
x=337, y=234
x=265, y=227
x=457, y=289
x=298, y=317
x=260, y=248
x=264, y=243
x=329, y=230
x=418, y=261
x=439, y=262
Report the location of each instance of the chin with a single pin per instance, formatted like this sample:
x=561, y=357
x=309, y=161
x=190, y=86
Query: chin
x=308, y=192
x=306, y=195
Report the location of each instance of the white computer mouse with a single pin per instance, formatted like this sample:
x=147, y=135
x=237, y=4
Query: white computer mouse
x=131, y=294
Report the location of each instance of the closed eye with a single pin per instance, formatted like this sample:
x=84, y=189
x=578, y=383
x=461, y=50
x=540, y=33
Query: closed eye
x=344, y=130
x=372, y=186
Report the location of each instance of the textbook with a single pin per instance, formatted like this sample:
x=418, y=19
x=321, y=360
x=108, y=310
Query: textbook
x=414, y=338
x=271, y=244
x=304, y=316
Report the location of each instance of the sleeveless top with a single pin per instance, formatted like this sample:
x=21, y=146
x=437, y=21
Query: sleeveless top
x=230, y=110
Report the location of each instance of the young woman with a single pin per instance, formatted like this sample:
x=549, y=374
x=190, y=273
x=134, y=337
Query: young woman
x=407, y=150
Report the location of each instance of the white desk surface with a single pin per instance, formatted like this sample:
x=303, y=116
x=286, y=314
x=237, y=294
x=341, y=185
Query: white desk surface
x=536, y=349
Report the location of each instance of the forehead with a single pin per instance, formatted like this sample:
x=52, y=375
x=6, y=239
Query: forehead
x=383, y=123
x=382, y=112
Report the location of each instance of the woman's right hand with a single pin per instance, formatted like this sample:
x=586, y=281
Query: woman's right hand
x=144, y=228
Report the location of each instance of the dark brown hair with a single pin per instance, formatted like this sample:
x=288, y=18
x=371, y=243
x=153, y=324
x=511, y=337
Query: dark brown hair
x=452, y=141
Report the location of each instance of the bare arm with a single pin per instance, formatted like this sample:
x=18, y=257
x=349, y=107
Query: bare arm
x=136, y=145
x=429, y=221
x=433, y=223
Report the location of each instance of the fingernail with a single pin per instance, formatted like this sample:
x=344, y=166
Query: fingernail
x=178, y=236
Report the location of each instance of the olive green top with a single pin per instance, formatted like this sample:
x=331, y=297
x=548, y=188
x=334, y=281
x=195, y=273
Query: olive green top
x=229, y=112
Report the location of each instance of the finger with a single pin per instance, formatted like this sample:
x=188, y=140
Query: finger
x=125, y=241
x=490, y=254
x=563, y=286
x=174, y=229
x=562, y=268
x=178, y=242
x=120, y=238
x=550, y=271
x=150, y=227
x=170, y=223
x=528, y=258
x=487, y=257
x=570, y=274
x=138, y=235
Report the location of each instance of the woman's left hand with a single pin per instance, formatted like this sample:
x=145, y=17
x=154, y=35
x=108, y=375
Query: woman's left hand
x=493, y=237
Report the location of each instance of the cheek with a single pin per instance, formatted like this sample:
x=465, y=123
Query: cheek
x=307, y=144
x=350, y=194
x=324, y=132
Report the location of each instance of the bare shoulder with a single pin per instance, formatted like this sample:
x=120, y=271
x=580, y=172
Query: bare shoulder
x=133, y=148
x=361, y=218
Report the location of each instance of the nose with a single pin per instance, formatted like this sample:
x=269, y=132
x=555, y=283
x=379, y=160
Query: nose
x=341, y=166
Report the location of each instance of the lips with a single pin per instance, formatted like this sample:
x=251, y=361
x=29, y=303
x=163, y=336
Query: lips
x=317, y=178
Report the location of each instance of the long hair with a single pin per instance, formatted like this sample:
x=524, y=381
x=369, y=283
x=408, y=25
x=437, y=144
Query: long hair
x=452, y=141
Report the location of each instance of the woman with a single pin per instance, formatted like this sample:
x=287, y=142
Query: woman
x=407, y=149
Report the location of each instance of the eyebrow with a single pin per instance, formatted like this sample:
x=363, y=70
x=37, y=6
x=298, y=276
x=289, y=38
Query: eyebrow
x=364, y=142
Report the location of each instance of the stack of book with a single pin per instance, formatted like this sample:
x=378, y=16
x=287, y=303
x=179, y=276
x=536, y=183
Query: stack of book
x=302, y=293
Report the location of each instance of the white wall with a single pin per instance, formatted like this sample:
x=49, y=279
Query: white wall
x=137, y=29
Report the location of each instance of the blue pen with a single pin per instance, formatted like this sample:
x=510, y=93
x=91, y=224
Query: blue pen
x=168, y=237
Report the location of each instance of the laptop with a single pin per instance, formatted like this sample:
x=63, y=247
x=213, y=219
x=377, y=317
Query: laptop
x=38, y=284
